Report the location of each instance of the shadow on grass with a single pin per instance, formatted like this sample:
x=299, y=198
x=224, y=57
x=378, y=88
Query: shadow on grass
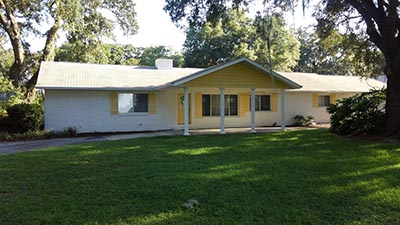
x=299, y=177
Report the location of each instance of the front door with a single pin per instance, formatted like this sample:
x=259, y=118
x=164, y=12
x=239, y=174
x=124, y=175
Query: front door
x=180, y=110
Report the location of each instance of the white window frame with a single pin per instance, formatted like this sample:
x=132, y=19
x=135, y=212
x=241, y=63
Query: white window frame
x=258, y=103
x=324, y=103
x=218, y=109
x=133, y=94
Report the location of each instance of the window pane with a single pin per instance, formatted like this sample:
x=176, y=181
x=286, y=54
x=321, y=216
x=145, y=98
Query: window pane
x=257, y=97
x=257, y=102
x=327, y=100
x=320, y=101
x=324, y=100
x=233, y=105
x=265, y=102
x=226, y=105
x=125, y=103
x=140, y=102
x=206, y=105
x=215, y=105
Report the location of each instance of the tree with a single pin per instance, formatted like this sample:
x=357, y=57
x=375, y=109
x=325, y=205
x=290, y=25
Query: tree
x=376, y=19
x=6, y=57
x=337, y=53
x=284, y=49
x=231, y=37
x=116, y=54
x=99, y=53
x=80, y=19
x=149, y=55
x=235, y=35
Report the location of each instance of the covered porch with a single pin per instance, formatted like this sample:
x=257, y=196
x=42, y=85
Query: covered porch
x=225, y=81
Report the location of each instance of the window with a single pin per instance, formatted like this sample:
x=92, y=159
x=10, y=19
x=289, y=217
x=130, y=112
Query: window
x=263, y=102
x=324, y=100
x=211, y=105
x=132, y=103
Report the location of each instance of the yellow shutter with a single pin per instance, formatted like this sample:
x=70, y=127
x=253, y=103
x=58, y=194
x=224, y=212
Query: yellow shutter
x=152, y=103
x=244, y=103
x=199, y=105
x=333, y=98
x=114, y=102
x=274, y=102
x=315, y=100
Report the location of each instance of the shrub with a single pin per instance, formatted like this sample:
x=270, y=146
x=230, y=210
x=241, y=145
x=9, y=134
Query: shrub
x=68, y=132
x=38, y=135
x=360, y=114
x=23, y=118
x=300, y=120
x=9, y=95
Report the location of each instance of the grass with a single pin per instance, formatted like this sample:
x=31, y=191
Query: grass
x=297, y=177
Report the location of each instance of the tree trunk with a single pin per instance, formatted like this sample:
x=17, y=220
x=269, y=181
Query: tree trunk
x=15, y=72
x=11, y=26
x=392, y=126
x=48, y=51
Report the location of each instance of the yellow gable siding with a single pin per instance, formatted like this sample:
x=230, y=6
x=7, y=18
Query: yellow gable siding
x=236, y=76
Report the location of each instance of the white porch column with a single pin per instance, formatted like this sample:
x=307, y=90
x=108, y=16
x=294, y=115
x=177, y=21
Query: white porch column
x=283, y=107
x=222, y=110
x=253, y=110
x=186, y=111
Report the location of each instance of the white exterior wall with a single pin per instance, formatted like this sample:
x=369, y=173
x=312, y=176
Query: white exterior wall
x=302, y=103
x=89, y=111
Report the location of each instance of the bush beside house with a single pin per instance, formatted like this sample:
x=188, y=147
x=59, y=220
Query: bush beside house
x=360, y=114
x=24, y=117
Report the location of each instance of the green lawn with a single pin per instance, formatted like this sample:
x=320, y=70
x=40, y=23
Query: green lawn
x=298, y=177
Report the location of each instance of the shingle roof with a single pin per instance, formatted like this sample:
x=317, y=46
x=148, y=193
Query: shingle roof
x=313, y=82
x=65, y=75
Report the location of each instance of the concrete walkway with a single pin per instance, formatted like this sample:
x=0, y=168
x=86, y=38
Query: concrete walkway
x=22, y=146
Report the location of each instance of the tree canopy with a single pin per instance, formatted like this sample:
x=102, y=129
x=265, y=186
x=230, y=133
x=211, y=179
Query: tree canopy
x=340, y=54
x=117, y=54
x=81, y=20
x=236, y=35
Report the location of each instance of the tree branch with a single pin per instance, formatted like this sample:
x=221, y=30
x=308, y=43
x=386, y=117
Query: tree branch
x=375, y=37
x=13, y=30
x=392, y=18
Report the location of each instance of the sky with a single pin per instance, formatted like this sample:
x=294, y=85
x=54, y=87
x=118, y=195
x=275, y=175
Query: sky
x=156, y=27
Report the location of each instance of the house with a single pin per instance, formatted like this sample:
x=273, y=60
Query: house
x=241, y=93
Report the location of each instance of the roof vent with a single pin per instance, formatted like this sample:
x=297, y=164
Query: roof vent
x=164, y=64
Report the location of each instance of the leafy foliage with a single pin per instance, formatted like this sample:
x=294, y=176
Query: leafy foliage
x=235, y=35
x=9, y=95
x=23, y=118
x=284, y=47
x=117, y=54
x=360, y=114
x=83, y=21
x=337, y=53
x=38, y=135
x=149, y=55
x=300, y=120
x=98, y=53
